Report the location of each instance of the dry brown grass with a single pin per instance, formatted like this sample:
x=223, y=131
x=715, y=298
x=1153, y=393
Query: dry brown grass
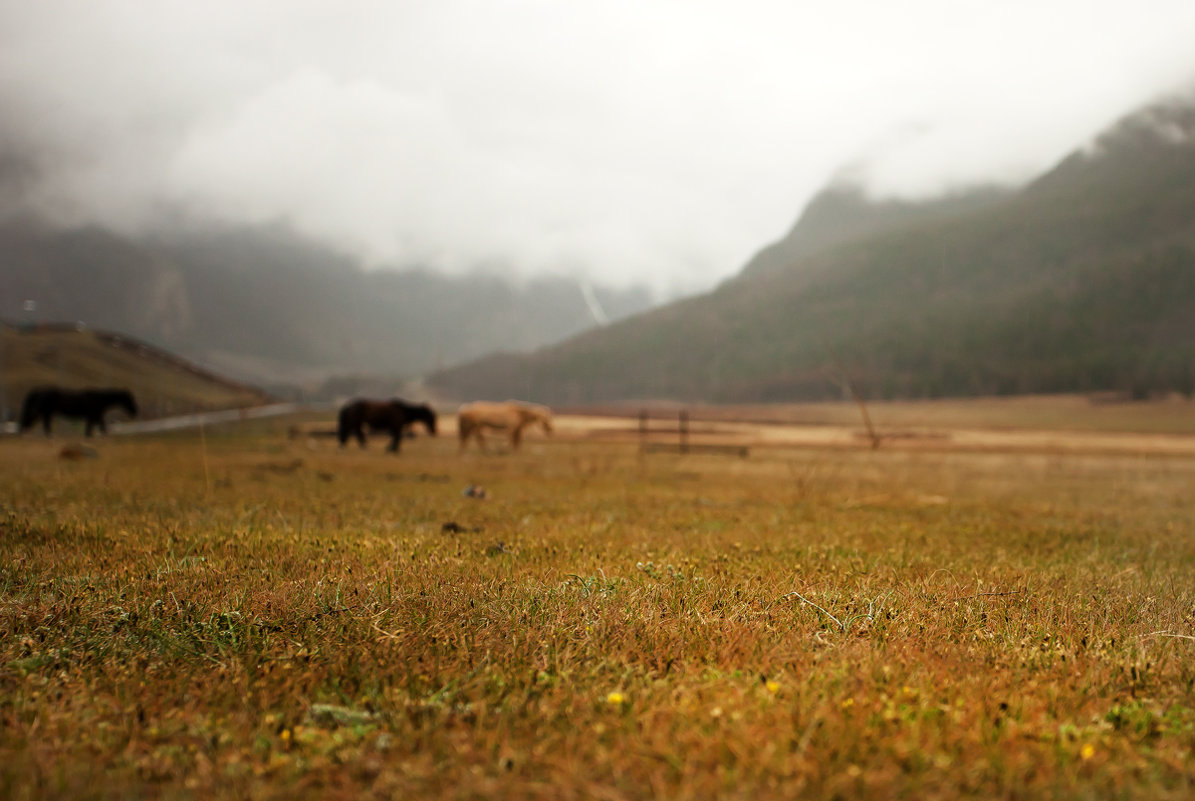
x=297, y=620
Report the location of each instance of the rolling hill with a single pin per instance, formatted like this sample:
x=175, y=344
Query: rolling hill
x=1083, y=280
x=78, y=357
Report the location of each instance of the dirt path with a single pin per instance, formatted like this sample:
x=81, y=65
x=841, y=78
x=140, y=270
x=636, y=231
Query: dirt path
x=759, y=435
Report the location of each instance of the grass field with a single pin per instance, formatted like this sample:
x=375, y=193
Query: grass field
x=240, y=615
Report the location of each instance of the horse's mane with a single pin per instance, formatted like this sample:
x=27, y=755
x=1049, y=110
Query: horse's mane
x=121, y=396
x=536, y=410
x=418, y=412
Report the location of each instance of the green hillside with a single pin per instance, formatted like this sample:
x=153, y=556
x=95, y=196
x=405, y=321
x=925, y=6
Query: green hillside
x=843, y=213
x=1082, y=281
x=72, y=357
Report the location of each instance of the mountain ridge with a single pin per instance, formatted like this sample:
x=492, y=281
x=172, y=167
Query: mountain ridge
x=1083, y=280
x=269, y=307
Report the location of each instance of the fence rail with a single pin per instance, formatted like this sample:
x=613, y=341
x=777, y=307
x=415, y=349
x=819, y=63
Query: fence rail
x=682, y=445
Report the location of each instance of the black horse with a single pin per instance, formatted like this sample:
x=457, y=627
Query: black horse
x=87, y=404
x=392, y=415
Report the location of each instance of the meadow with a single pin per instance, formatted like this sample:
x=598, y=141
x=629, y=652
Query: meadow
x=242, y=615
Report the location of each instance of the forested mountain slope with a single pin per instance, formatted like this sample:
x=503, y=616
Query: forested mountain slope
x=1082, y=280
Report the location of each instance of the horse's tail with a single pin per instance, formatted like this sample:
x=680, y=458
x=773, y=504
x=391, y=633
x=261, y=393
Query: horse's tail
x=344, y=424
x=464, y=426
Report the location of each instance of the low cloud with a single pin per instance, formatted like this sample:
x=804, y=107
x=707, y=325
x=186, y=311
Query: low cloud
x=627, y=144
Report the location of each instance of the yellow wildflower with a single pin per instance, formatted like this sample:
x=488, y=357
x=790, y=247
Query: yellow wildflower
x=616, y=698
x=1087, y=751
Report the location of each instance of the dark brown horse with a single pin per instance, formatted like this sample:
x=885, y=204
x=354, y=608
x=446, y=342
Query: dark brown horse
x=392, y=415
x=87, y=404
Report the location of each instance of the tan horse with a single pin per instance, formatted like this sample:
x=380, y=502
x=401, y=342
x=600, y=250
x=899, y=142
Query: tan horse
x=513, y=416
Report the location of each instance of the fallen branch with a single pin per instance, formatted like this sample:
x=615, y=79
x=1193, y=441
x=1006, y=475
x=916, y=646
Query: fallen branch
x=815, y=606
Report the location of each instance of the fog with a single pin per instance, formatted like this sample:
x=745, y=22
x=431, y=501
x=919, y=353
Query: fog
x=624, y=142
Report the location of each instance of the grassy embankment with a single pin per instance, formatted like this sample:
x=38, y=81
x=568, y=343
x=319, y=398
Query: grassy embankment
x=240, y=616
x=163, y=384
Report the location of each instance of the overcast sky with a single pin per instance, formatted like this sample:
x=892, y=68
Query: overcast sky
x=625, y=140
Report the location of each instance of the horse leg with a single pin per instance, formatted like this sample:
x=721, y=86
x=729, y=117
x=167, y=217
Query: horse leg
x=395, y=439
x=516, y=436
x=359, y=433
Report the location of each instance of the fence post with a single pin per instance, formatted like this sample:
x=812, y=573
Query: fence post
x=643, y=430
x=684, y=431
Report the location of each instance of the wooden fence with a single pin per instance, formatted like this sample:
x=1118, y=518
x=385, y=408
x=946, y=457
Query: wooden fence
x=682, y=444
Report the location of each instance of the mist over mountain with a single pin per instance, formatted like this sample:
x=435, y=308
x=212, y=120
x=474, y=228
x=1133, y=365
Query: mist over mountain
x=1083, y=280
x=268, y=307
x=629, y=143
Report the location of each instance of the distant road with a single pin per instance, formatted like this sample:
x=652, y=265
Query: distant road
x=202, y=419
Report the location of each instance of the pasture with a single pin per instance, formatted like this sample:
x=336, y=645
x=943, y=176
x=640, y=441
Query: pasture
x=242, y=615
